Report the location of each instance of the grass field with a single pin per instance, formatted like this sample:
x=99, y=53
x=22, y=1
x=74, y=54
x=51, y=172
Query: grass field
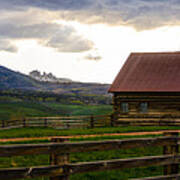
x=20, y=109
x=81, y=109
x=37, y=160
x=43, y=131
x=14, y=110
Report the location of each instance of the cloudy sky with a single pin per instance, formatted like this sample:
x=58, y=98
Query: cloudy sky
x=85, y=40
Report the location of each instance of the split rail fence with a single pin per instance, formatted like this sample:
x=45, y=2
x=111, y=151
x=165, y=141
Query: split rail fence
x=93, y=121
x=61, y=168
x=67, y=122
x=147, y=120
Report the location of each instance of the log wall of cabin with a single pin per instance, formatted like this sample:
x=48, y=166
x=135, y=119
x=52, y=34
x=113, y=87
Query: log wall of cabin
x=159, y=104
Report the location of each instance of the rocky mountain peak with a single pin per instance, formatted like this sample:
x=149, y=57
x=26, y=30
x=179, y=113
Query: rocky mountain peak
x=47, y=77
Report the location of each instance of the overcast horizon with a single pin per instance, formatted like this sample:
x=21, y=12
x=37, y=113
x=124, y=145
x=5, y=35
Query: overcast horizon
x=84, y=40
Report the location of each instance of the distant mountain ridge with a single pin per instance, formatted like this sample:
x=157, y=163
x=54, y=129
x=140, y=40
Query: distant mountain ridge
x=14, y=80
x=10, y=79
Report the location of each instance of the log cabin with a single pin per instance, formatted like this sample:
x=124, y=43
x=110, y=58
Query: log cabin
x=147, y=87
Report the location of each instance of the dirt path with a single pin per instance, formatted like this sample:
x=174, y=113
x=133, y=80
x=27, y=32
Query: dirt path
x=89, y=135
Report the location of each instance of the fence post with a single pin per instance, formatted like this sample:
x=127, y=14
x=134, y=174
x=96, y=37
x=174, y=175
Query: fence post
x=67, y=125
x=45, y=122
x=24, y=122
x=112, y=120
x=59, y=159
x=92, y=121
x=171, y=149
x=3, y=123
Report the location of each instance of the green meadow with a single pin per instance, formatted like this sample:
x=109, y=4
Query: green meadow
x=19, y=109
x=15, y=110
x=37, y=160
x=44, y=132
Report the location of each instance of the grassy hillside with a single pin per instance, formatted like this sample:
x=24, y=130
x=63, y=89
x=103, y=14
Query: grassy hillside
x=15, y=80
x=80, y=109
x=22, y=96
x=13, y=110
x=40, y=96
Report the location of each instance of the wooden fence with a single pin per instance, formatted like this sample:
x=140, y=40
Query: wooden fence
x=69, y=122
x=60, y=122
x=61, y=168
x=147, y=120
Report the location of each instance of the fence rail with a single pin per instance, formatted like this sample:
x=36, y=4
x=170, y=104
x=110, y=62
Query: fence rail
x=85, y=146
x=61, y=168
x=59, y=122
x=93, y=121
x=148, y=122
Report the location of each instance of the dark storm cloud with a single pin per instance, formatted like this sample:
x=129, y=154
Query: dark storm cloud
x=69, y=43
x=141, y=14
x=62, y=38
x=47, y=4
x=32, y=19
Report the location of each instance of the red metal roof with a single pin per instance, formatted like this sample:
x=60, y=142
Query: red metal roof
x=149, y=72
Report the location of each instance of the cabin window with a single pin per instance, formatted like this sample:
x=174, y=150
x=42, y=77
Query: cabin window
x=125, y=107
x=144, y=107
